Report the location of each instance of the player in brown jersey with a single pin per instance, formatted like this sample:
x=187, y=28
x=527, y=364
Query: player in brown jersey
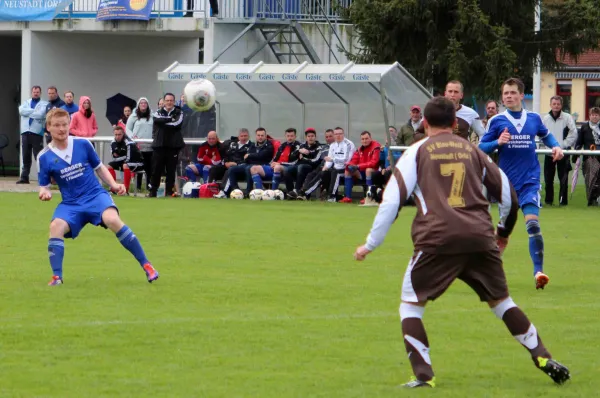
x=453, y=236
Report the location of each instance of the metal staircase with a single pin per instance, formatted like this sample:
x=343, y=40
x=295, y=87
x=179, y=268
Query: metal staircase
x=278, y=24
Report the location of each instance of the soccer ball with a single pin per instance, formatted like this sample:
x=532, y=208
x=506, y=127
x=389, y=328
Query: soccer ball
x=200, y=95
x=236, y=194
x=191, y=189
x=256, y=194
x=268, y=195
x=278, y=194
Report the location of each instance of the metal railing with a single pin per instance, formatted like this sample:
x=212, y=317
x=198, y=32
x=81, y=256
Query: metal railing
x=84, y=9
x=309, y=10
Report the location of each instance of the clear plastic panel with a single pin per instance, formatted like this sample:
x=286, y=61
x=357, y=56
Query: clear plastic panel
x=324, y=116
x=313, y=92
x=269, y=92
x=232, y=117
x=276, y=118
x=402, y=91
x=368, y=117
x=360, y=93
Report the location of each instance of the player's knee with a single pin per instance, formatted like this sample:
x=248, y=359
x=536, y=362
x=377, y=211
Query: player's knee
x=125, y=167
x=278, y=169
x=206, y=168
x=369, y=172
x=58, y=228
x=411, y=310
x=499, y=307
x=111, y=219
x=255, y=169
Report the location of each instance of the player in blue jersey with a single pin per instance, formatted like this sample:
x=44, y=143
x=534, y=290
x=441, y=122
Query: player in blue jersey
x=71, y=162
x=513, y=134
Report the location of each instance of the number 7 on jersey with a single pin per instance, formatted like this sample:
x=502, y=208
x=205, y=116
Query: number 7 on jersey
x=457, y=172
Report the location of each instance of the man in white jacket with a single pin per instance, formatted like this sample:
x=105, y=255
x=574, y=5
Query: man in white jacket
x=563, y=128
x=33, y=114
x=340, y=153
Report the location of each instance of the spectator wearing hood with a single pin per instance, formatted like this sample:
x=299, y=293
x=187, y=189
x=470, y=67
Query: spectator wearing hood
x=54, y=101
x=139, y=126
x=83, y=122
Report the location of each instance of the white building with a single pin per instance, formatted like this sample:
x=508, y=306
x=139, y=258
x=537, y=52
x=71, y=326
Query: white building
x=100, y=59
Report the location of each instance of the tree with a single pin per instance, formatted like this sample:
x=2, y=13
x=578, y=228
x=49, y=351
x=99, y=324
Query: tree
x=480, y=42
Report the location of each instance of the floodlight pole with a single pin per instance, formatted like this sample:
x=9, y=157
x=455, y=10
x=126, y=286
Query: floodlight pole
x=386, y=120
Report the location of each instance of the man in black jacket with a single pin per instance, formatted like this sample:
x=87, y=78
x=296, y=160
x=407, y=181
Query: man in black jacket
x=317, y=178
x=259, y=153
x=306, y=159
x=232, y=152
x=167, y=143
x=280, y=164
x=54, y=101
x=126, y=157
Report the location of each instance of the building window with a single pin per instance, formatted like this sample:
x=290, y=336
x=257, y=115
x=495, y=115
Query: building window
x=592, y=96
x=563, y=89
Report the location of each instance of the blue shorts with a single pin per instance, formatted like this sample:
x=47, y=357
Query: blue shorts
x=530, y=199
x=80, y=214
x=268, y=172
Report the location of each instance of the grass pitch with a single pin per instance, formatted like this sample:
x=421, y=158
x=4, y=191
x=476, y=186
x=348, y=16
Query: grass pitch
x=265, y=300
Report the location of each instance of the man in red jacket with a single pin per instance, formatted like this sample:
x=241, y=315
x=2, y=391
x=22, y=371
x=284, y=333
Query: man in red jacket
x=363, y=164
x=208, y=156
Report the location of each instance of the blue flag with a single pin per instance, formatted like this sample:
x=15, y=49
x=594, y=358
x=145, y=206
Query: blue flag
x=124, y=9
x=31, y=10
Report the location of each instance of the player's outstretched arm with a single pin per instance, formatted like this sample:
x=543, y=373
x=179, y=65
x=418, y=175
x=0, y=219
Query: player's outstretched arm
x=399, y=188
x=105, y=176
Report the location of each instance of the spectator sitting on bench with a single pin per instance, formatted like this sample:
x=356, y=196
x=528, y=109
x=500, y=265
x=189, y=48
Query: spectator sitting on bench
x=279, y=165
x=208, y=156
x=126, y=156
x=232, y=152
x=307, y=158
x=363, y=164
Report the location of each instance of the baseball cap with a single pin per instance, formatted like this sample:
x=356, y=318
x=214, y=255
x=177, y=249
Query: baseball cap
x=415, y=107
x=310, y=130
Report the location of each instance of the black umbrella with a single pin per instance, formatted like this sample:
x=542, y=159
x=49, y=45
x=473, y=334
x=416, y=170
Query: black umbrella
x=115, y=106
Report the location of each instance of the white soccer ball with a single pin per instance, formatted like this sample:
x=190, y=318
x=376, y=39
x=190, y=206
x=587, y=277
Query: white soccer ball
x=236, y=194
x=191, y=189
x=256, y=194
x=269, y=194
x=200, y=95
x=279, y=194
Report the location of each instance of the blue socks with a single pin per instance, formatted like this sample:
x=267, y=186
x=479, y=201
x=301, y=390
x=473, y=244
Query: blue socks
x=189, y=173
x=348, y=182
x=257, y=181
x=536, y=245
x=276, y=180
x=56, y=253
x=369, y=181
x=131, y=243
x=205, y=171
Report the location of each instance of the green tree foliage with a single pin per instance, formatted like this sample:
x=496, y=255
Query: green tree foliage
x=480, y=42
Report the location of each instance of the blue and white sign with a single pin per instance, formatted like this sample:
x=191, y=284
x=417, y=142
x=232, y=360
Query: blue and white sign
x=124, y=9
x=273, y=77
x=31, y=10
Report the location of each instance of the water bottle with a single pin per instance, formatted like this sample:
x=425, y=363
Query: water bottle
x=160, y=193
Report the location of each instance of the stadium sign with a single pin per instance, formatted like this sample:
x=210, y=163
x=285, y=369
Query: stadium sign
x=31, y=10
x=124, y=10
x=273, y=77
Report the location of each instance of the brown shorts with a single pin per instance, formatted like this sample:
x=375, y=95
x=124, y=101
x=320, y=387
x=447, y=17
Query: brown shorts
x=429, y=275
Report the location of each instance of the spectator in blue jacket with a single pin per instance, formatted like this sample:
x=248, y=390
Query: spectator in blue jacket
x=33, y=113
x=54, y=101
x=70, y=105
x=380, y=178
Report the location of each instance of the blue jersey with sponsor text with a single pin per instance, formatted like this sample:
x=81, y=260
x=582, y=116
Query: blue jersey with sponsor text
x=72, y=169
x=517, y=158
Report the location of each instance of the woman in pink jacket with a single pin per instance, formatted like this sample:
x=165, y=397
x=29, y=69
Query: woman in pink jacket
x=83, y=122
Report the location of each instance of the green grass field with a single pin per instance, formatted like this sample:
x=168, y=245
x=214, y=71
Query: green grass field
x=265, y=300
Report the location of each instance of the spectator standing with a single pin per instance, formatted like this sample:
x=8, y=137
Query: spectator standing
x=54, y=101
x=33, y=113
x=491, y=110
x=139, y=126
x=588, y=138
x=83, y=123
x=167, y=143
x=70, y=105
x=232, y=152
x=562, y=126
x=406, y=136
x=393, y=133
x=123, y=121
